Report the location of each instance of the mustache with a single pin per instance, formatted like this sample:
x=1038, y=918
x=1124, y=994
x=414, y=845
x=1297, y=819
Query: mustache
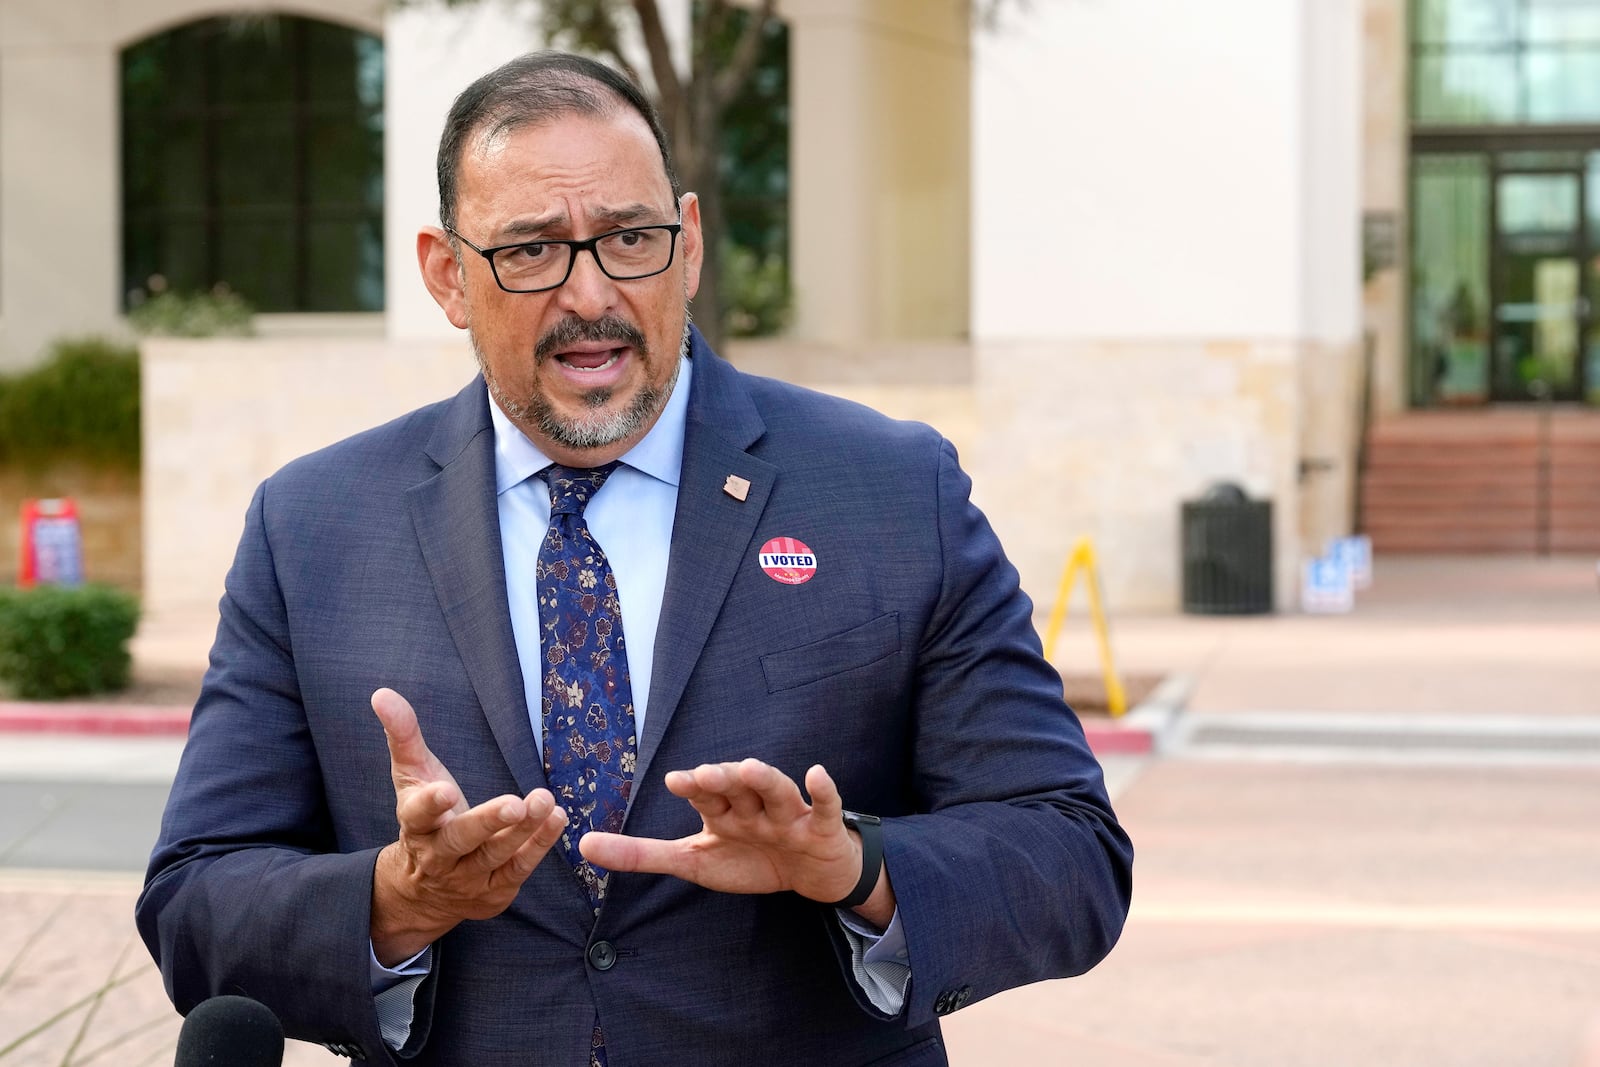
x=573, y=330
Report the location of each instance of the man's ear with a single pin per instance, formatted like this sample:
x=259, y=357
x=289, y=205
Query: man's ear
x=694, y=249
x=441, y=273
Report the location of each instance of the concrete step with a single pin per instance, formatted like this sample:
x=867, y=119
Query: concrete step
x=1475, y=481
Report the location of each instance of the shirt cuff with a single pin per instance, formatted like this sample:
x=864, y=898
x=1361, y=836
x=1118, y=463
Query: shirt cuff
x=394, y=991
x=880, y=961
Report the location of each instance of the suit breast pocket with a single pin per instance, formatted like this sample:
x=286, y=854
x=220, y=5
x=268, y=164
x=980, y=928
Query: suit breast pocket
x=859, y=647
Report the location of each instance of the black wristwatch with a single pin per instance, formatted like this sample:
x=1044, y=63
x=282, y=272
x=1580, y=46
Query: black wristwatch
x=870, y=827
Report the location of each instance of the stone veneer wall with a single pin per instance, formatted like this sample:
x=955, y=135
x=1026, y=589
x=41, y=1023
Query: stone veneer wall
x=1330, y=383
x=1106, y=439
x=1062, y=439
x=221, y=415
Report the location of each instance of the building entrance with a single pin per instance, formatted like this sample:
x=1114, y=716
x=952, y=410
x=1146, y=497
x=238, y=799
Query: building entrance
x=1505, y=271
x=1540, y=307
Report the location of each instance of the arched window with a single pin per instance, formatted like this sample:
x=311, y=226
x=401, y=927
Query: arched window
x=252, y=155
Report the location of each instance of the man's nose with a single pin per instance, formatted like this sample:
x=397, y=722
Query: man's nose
x=589, y=292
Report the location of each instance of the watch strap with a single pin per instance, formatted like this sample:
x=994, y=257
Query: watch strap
x=870, y=827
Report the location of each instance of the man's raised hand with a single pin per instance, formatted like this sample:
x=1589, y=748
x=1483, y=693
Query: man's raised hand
x=759, y=835
x=451, y=862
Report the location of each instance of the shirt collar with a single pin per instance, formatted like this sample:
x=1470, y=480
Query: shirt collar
x=659, y=453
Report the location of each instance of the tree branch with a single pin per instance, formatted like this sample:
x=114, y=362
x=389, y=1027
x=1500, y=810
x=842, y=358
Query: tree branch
x=589, y=24
x=669, y=87
x=745, y=56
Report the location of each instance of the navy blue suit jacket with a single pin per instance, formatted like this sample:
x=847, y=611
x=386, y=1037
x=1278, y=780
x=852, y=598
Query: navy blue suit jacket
x=907, y=665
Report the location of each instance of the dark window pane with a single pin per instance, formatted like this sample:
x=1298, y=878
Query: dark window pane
x=178, y=166
x=255, y=160
x=257, y=259
x=185, y=257
x=254, y=64
x=244, y=138
x=141, y=255
x=342, y=163
x=331, y=65
x=344, y=253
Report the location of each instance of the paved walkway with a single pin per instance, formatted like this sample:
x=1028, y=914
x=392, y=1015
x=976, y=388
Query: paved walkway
x=1371, y=839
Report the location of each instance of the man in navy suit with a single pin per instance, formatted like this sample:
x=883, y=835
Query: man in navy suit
x=816, y=618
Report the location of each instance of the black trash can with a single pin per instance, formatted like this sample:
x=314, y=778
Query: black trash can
x=1227, y=553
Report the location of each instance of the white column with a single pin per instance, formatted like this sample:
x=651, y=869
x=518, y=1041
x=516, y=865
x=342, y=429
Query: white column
x=60, y=229
x=879, y=169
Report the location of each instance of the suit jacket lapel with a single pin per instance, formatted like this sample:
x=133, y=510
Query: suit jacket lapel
x=711, y=531
x=458, y=529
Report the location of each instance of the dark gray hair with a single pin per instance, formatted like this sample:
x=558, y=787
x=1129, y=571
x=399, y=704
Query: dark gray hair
x=532, y=89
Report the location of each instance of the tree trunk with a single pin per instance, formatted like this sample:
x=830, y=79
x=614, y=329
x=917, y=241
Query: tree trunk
x=696, y=143
x=702, y=176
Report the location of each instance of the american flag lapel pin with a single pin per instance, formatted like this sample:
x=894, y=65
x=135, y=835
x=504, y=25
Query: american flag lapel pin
x=736, y=487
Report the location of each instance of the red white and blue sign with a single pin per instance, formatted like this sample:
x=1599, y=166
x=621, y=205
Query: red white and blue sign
x=787, y=560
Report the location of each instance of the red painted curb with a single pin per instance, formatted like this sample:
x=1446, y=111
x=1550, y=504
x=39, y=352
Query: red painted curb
x=1119, y=740
x=106, y=720
x=111, y=720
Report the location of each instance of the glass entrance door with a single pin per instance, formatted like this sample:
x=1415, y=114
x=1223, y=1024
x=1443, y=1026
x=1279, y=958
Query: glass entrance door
x=1541, y=311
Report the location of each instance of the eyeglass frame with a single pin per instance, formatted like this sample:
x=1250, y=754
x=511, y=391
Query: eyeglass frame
x=574, y=247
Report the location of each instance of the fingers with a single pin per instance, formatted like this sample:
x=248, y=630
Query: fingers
x=472, y=829
x=424, y=810
x=539, y=815
x=616, y=852
x=526, y=858
x=747, y=790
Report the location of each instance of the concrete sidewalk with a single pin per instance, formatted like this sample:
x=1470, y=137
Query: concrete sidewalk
x=1433, y=635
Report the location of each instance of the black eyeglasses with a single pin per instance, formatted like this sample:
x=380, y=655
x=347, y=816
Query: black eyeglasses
x=624, y=255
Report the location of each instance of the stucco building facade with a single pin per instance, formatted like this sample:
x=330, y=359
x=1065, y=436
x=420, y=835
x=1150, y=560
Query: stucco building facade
x=1112, y=250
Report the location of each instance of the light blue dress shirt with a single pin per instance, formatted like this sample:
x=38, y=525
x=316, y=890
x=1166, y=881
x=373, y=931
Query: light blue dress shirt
x=630, y=518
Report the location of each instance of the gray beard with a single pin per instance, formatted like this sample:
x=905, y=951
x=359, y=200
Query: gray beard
x=596, y=430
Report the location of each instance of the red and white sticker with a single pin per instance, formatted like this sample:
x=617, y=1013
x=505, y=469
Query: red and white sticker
x=788, y=561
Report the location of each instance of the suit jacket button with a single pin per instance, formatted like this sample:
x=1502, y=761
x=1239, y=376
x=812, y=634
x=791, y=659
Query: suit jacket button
x=963, y=995
x=943, y=1006
x=602, y=956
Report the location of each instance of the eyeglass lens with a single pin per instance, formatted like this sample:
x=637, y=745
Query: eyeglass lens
x=625, y=254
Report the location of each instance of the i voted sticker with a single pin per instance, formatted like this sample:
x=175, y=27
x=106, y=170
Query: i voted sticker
x=788, y=561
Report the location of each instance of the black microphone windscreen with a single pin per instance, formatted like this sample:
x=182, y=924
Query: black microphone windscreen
x=231, y=1030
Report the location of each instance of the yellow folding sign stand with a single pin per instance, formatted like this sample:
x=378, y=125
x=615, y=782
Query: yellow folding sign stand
x=1082, y=559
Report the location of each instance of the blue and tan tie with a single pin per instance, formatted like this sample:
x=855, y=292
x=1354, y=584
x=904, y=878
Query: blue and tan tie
x=587, y=699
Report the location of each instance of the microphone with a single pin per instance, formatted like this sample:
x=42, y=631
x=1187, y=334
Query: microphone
x=230, y=1030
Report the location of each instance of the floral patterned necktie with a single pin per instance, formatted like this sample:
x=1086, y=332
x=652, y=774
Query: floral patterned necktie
x=587, y=700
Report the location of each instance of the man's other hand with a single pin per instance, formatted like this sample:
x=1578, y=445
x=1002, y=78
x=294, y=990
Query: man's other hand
x=759, y=836
x=451, y=862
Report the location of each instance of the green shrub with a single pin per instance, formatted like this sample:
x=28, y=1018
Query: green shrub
x=756, y=291
x=81, y=404
x=57, y=641
x=166, y=312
